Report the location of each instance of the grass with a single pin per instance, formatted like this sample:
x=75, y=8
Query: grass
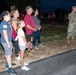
x=50, y=33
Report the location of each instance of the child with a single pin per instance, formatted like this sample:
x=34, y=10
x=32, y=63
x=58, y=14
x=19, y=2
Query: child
x=22, y=43
x=6, y=40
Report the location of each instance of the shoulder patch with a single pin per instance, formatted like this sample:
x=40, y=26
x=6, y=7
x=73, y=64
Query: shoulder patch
x=4, y=26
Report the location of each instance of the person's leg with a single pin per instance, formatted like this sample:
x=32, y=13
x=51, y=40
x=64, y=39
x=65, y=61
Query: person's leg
x=8, y=59
x=29, y=47
x=39, y=39
x=23, y=67
x=16, y=47
x=69, y=33
x=21, y=57
x=74, y=33
x=38, y=36
x=8, y=53
x=35, y=37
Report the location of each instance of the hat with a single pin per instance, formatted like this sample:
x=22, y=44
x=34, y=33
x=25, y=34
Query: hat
x=4, y=13
x=28, y=7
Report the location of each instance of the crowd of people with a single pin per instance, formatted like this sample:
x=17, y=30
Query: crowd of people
x=11, y=30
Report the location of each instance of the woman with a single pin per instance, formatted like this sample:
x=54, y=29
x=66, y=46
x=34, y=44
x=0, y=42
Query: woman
x=6, y=40
x=15, y=15
x=37, y=33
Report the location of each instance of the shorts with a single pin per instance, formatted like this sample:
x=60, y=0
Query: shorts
x=22, y=47
x=8, y=51
x=30, y=37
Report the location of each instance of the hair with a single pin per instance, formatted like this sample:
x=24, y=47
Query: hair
x=4, y=13
x=13, y=10
x=28, y=7
x=18, y=23
x=34, y=11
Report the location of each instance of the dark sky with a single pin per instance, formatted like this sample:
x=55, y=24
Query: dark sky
x=51, y=5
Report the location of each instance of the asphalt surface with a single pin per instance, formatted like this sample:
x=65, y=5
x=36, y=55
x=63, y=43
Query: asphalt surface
x=61, y=64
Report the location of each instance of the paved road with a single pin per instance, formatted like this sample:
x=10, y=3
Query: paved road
x=61, y=64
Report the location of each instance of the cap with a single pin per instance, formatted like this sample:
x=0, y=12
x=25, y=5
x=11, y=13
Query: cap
x=28, y=7
x=4, y=13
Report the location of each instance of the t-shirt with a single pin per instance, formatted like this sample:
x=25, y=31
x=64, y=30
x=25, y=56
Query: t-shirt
x=28, y=19
x=37, y=21
x=5, y=26
x=19, y=36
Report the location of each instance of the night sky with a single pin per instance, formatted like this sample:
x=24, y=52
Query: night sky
x=51, y=5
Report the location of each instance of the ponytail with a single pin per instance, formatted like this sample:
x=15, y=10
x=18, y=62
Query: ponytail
x=13, y=9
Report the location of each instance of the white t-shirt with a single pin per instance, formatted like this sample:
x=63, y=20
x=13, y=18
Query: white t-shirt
x=19, y=37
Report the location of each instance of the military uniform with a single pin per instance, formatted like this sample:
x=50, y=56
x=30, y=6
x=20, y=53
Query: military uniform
x=71, y=26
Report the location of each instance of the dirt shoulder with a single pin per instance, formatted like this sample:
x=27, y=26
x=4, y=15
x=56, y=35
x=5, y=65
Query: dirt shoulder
x=50, y=49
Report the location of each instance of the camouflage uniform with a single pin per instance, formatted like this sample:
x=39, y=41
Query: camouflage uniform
x=71, y=26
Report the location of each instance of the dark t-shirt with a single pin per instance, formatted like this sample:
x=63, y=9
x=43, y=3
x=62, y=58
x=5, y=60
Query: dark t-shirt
x=5, y=26
x=37, y=21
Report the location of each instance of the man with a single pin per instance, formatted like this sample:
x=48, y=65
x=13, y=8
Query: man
x=71, y=25
x=30, y=26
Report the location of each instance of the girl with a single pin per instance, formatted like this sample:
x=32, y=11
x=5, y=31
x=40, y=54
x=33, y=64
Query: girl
x=22, y=43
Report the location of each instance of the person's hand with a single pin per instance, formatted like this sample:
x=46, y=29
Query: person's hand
x=35, y=29
x=9, y=46
x=39, y=28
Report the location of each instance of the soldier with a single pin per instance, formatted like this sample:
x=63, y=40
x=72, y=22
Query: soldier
x=71, y=25
x=75, y=23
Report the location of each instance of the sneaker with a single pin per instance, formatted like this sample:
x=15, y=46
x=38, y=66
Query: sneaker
x=41, y=45
x=6, y=65
x=26, y=64
x=18, y=58
x=12, y=71
x=25, y=68
x=36, y=47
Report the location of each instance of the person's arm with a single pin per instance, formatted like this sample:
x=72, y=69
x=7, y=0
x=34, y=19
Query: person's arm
x=39, y=27
x=14, y=25
x=31, y=28
x=24, y=39
x=6, y=37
